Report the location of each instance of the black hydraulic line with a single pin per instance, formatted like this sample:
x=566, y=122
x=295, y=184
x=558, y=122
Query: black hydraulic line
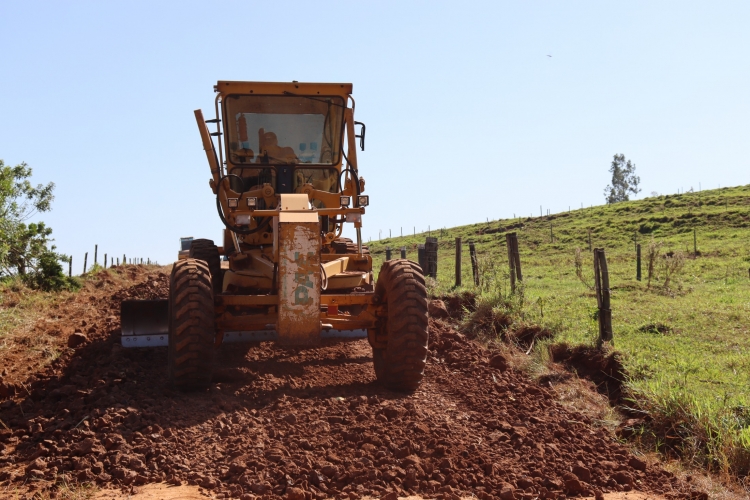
x=236, y=229
x=348, y=168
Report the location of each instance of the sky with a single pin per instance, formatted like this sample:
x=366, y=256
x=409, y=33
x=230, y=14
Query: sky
x=474, y=110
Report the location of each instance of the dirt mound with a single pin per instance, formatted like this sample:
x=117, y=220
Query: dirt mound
x=602, y=368
x=305, y=423
x=457, y=304
x=155, y=287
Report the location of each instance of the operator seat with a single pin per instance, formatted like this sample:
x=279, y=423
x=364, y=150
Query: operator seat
x=269, y=147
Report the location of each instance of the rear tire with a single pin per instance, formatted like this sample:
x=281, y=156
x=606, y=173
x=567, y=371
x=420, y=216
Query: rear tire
x=347, y=246
x=400, y=365
x=191, y=325
x=206, y=251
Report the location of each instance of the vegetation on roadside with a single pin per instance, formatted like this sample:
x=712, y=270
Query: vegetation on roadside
x=22, y=307
x=682, y=331
x=26, y=250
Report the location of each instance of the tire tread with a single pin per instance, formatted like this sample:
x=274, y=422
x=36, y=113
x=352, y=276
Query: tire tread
x=191, y=324
x=400, y=366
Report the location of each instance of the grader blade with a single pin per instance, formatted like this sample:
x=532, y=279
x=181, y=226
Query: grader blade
x=144, y=323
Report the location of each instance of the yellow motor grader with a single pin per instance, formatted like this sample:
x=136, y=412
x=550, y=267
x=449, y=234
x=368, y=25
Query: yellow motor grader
x=285, y=187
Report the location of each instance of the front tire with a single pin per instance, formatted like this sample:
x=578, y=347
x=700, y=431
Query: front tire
x=191, y=325
x=400, y=365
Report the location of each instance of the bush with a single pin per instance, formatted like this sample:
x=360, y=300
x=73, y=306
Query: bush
x=49, y=275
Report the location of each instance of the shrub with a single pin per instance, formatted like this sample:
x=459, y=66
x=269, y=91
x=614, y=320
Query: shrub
x=48, y=275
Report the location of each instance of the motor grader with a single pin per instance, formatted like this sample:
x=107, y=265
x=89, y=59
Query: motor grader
x=285, y=187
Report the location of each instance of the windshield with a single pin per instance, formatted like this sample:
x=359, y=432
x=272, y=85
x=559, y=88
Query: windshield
x=284, y=129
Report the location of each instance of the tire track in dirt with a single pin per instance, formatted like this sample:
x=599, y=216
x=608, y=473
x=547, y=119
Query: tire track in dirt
x=306, y=423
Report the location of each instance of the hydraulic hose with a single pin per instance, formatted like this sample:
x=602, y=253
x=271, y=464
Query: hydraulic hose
x=348, y=168
x=237, y=229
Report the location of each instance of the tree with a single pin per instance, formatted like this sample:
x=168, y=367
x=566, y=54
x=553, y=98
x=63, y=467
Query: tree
x=624, y=180
x=25, y=248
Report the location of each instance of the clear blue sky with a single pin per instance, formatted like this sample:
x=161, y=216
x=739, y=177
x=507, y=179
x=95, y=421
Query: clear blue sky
x=467, y=116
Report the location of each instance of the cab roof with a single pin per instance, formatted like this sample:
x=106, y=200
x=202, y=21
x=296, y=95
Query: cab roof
x=283, y=88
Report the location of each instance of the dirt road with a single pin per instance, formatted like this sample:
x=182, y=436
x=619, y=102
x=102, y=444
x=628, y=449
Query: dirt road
x=297, y=423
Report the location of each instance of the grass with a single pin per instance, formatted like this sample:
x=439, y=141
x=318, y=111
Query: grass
x=685, y=346
x=62, y=491
x=20, y=308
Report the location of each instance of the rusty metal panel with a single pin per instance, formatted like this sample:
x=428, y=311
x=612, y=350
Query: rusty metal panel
x=299, y=283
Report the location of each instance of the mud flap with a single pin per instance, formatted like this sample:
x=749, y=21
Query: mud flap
x=144, y=323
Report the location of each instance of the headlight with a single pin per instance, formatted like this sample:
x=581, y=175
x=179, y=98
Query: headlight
x=232, y=202
x=345, y=200
x=363, y=200
x=252, y=203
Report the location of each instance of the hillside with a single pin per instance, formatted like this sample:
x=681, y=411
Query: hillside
x=78, y=411
x=685, y=346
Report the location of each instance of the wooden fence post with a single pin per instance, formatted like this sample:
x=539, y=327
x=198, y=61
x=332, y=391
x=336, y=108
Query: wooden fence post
x=514, y=260
x=430, y=257
x=474, y=263
x=590, y=247
x=387, y=253
x=458, y=261
x=105, y=261
x=517, y=258
x=511, y=261
x=601, y=277
x=638, y=262
x=695, y=242
x=70, y=267
x=403, y=252
x=422, y=259
x=96, y=251
x=85, y=261
x=118, y=261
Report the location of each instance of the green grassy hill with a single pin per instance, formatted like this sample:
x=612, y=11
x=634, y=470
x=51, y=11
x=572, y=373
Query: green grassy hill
x=685, y=346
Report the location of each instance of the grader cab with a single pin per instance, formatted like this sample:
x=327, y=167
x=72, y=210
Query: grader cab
x=285, y=188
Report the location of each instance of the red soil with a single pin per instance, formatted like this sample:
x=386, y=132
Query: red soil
x=300, y=423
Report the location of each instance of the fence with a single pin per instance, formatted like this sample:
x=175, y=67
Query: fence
x=109, y=262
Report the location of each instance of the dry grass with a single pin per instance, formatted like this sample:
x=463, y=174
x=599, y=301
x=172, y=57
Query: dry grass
x=64, y=491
